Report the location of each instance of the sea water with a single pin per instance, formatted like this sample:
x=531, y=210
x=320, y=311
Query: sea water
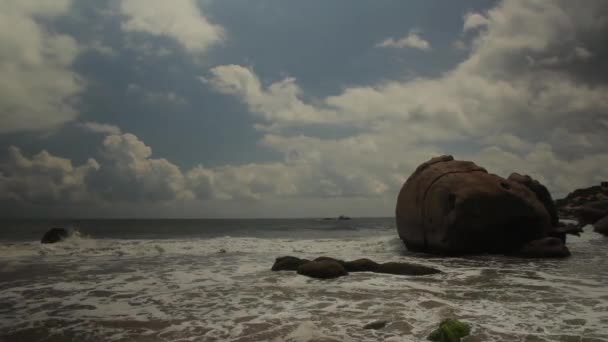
x=210, y=280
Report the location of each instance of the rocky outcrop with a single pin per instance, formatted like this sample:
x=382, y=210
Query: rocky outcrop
x=601, y=226
x=449, y=206
x=55, y=235
x=325, y=269
x=288, y=263
x=571, y=205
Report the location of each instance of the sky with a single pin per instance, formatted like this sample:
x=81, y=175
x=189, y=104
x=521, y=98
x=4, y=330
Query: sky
x=288, y=108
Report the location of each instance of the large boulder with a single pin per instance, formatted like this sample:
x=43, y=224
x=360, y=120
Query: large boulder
x=326, y=269
x=541, y=192
x=54, y=235
x=456, y=207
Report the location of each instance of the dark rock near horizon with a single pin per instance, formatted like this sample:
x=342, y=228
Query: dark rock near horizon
x=548, y=247
x=403, y=268
x=451, y=207
x=55, y=235
x=325, y=269
x=288, y=263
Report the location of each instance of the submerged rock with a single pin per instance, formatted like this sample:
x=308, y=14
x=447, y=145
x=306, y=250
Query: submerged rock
x=548, y=247
x=403, y=268
x=288, y=263
x=450, y=330
x=376, y=325
x=361, y=265
x=55, y=235
x=326, y=269
x=449, y=206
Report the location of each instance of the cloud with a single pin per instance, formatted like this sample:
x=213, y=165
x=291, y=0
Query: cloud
x=279, y=103
x=37, y=87
x=181, y=20
x=128, y=173
x=502, y=89
x=43, y=179
x=100, y=128
x=474, y=20
x=524, y=99
x=412, y=40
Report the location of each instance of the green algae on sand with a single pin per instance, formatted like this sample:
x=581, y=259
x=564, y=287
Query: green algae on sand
x=450, y=330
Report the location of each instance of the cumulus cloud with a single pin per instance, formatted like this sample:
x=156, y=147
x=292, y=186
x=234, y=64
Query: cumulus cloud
x=37, y=86
x=502, y=89
x=43, y=178
x=474, y=20
x=128, y=173
x=181, y=20
x=412, y=40
x=525, y=99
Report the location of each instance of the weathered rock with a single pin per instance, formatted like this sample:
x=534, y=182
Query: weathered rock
x=450, y=330
x=564, y=229
x=326, y=258
x=361, y=265
x=591, y=212
x=54, y=235
x=326, y=269
x=288, y=263
x=403, y=268
x=376, y=325
x=456, y=207
x=569, y=206
x=548, y=247
x=601, y=226
x=541, y=192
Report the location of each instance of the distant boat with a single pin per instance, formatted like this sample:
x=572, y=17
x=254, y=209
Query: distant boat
x=339, y=218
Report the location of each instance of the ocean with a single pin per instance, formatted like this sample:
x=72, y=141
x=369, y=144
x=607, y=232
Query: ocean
x=210, y=280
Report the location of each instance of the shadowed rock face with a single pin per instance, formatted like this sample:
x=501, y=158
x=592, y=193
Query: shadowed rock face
x=54, y=235
x=456, y=207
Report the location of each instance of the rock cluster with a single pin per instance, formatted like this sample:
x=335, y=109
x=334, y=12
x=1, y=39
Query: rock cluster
x=588, y=206
x=449, y=207
x=328, y=268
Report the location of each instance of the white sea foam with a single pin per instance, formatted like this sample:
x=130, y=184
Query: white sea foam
x=186, y=290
